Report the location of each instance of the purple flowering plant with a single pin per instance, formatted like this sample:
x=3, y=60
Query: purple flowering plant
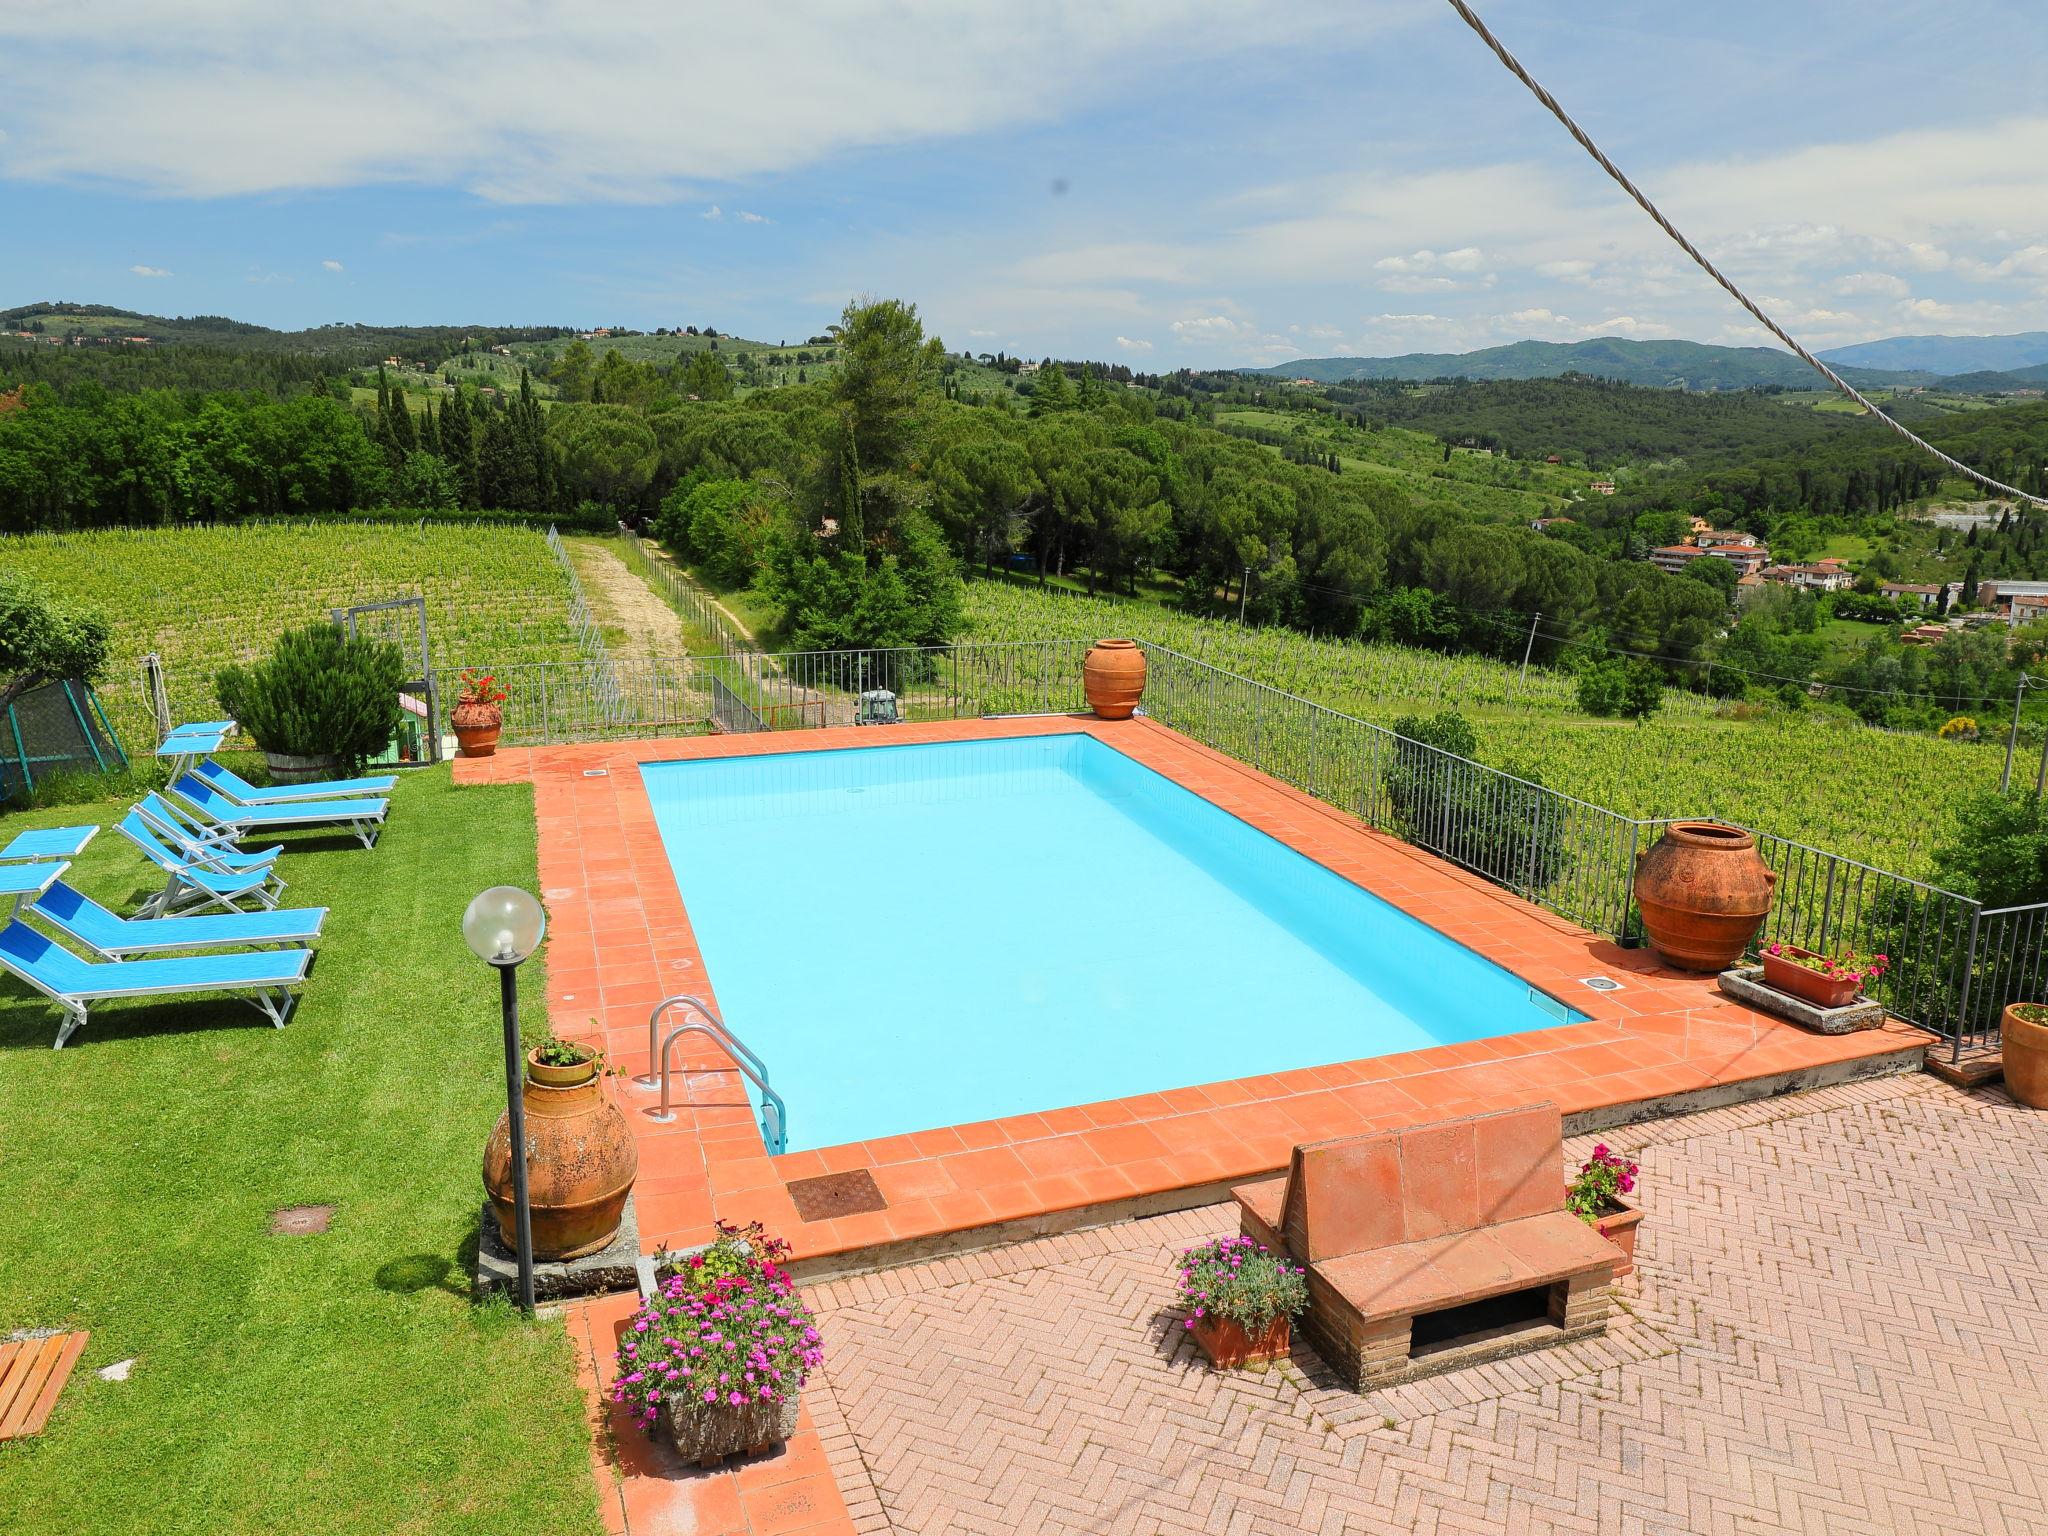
x=1601, y=1182
x=724, y=1335
x=1242, y=1280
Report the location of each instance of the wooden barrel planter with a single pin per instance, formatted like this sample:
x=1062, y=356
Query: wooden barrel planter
x=1113, y=677
x=1703, y=891
x=287, y=768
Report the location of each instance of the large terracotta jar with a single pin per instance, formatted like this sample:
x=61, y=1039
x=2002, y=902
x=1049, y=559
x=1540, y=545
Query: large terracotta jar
x=580, y=1162
x=476, y=728
x=2024, y=1045
x=1703, y=891
x=1114, y=677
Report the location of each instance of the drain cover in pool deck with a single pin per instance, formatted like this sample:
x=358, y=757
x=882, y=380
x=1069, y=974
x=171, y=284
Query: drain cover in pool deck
x=837, y=1194
x=300, y=1220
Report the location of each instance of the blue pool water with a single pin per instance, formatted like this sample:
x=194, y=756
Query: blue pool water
x=918, y=936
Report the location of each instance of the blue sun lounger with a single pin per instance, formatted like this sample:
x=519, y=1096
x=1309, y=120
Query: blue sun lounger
x=238, y=789
x=107, y=933
x=263, y=978
x=363, y=819
x=184, y=832
x=190, y=884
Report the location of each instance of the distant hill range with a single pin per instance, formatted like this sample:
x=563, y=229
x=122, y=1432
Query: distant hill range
x=1968, y=364
x=1947, y=355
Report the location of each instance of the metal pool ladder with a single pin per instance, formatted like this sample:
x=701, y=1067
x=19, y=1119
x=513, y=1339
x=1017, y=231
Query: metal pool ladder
x=774, y=1113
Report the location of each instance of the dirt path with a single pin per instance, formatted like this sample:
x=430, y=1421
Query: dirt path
x=636, y=622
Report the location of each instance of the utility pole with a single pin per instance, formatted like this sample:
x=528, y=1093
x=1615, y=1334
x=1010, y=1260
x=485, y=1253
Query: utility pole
x=1244, y=588
x=2012, y=737
x=1527, y=649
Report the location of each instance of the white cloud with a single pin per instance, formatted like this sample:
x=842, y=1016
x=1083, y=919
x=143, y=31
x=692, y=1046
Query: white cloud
x=1211, y=328
x=162, y=97
x=141, y=271
x=331, y=265
x=713, y=212
x=752, y=218
x=1132, y=344
x=1884, y=285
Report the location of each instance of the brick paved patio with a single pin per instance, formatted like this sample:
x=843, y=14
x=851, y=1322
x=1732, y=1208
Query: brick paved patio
x=1839, y=1323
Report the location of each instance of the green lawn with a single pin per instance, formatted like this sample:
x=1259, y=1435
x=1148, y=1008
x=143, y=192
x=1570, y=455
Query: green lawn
x=341, y=1383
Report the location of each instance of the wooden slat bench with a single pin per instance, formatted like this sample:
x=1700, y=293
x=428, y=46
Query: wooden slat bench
x=32, y=1373
x=1437, y=1246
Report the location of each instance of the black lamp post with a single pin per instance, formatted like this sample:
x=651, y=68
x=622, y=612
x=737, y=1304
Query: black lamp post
x=503, y=926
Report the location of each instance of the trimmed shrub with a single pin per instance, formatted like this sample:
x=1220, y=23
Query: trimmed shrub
x=321, y=693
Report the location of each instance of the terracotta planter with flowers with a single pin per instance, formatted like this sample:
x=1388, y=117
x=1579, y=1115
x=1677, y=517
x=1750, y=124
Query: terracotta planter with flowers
x=478, y=715
x=1595, y=1196
x=1240, y=1297
x=1826, y=981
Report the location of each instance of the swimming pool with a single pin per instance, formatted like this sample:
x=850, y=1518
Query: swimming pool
x=921, y=936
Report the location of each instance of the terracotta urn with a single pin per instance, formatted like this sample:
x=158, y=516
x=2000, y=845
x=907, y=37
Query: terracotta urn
x=1703, y=891
x=1114, y=678
x=1784, y=972
x=580, y=1162
x=2024, y=1045
x=1230, y=1346
x=476, y=728
x=1617, y=1222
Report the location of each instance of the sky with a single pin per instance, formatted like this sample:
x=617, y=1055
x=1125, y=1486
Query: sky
x=1196, y=184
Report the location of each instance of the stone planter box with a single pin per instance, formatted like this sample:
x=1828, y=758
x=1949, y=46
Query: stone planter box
x=1229, y=1347
x=1746, y=984
x=1617, y=1222
x=707, y=1434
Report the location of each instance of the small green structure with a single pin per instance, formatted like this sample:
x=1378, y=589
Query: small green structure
x=55, y=728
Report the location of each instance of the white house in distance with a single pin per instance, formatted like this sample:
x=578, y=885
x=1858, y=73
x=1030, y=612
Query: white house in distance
x=1725, y=538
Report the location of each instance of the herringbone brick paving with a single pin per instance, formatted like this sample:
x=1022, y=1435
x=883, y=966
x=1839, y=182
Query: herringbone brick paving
x=1836, y=1325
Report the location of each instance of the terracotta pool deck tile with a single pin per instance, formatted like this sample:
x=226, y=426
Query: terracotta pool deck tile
x=976, y=1135
x=923, y=1179
x=1051, y=1155
x=937, y=1143
x=988, y=1165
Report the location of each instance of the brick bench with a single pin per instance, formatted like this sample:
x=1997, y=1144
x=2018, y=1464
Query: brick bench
x=1437, y=1246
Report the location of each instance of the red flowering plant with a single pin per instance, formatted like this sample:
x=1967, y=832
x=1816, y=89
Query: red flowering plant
x=725, y=1331
x=1846, y=966
x=1601, y=1182
x=479, y=688
x=1242, y=1280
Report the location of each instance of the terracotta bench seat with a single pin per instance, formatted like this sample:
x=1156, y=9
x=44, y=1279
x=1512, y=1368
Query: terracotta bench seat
x=1436, y=1223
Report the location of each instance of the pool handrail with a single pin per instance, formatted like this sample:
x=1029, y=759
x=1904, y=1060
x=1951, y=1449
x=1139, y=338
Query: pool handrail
x=774, y=1111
